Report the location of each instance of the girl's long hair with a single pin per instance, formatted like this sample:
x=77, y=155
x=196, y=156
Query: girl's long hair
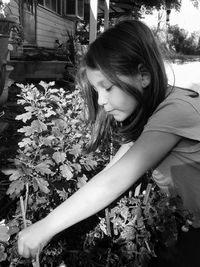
x=128, y=48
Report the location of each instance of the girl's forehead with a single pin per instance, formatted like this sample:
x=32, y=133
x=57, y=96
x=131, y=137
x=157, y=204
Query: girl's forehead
x=97, y=74
x=96, y=77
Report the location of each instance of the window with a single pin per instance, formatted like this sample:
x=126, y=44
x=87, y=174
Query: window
x=74, y=8
x=41, y=2
x=54, y=5
x=28, y=5
x=70, y=7
x=80, y=8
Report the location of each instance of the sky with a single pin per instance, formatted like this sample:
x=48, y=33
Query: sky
x=188, y=18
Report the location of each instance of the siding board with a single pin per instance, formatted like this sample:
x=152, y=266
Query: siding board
x=49, y=25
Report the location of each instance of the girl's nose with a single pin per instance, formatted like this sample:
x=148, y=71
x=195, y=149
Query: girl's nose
x=102, y=97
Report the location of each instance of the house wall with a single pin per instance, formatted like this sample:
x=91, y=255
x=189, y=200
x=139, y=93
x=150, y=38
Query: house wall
x=14, y=10
x=51, y=27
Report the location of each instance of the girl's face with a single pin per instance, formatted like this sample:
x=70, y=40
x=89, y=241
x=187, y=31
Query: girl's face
x=116, y=102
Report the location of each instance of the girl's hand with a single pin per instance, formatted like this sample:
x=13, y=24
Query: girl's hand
x=32, y=239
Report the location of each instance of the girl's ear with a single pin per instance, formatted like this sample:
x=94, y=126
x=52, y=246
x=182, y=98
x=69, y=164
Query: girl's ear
x=145, y=76
x=146, y=79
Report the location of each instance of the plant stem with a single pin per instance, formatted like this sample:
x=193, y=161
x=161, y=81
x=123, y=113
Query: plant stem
x=108, y=222
x=23, y=211
x=26, y=197
x=36, y=261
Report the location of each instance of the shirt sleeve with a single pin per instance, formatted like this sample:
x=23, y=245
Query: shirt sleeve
x=176, y=116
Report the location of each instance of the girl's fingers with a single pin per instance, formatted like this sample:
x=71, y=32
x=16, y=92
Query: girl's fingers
x=20, y=245
x=28, y=253
x=25, y=251
x=34, y=253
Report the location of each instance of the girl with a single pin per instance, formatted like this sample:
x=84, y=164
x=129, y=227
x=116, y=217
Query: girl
x=124, y=80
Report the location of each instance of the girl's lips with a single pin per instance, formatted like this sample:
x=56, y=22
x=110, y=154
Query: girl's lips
x=109, y=111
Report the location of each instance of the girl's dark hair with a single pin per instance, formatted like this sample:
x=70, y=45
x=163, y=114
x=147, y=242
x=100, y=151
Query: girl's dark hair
x=125, y=49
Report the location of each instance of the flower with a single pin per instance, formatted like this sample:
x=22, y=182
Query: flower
x=4, y=8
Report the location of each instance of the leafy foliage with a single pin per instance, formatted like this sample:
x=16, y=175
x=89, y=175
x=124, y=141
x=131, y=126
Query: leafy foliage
x=158, y=4
x=128, y=235
x=50, y=164
x=54, y=138
x=183, y=42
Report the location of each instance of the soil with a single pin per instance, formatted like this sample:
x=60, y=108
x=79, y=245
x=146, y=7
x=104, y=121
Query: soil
x=9, y=137
x=185, y=254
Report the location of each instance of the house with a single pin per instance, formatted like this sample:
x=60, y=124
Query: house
x=45, y=21
x=45, y=25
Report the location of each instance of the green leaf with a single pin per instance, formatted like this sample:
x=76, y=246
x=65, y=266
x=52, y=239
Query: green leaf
x=76, y=150
x=34, y=93
x=82, y=181
x=14, y=174
x=49, y=113
x=15, y=187
x=48, y=140
x=25, y=142
x=3, y=255
x=35, y=185
x=46, y=85
x=66, y=171
x=43, y=185
x=29, y=108
x=59, y=157
x=61, y=123
x=24, y=117
x=4, y=236
x=38, y=126
x=55, y=98
x=43, y=168
x=89, y=163
x=77, y=167
x=53, y=91
x=62, y=194
x=28, y=130
x=13, y=227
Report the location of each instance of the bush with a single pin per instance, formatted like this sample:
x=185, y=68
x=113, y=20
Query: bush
x=182, y=42
x=50, y=164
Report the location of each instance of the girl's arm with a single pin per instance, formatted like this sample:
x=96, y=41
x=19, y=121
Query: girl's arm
x=121, y=151
x=100, y=191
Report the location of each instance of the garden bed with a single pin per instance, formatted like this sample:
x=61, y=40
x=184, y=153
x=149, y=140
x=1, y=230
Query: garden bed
x=132, y=231
x=37, y=70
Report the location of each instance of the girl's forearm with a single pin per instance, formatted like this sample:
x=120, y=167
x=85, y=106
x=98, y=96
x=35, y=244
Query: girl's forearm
x=94, y=196
x=108, y=185
x=88, y=200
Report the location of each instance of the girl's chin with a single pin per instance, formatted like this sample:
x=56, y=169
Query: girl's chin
x=119, y=118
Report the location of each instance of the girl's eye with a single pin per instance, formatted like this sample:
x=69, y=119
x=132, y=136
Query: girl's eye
x=109, y=88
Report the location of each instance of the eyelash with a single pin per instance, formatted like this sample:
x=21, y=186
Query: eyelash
x=109, y=88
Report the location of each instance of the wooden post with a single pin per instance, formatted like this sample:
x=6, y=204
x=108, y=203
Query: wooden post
x=93, y=20
x=106, y=14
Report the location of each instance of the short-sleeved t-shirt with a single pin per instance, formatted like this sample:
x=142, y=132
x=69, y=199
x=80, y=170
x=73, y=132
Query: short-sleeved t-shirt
x=180, y=170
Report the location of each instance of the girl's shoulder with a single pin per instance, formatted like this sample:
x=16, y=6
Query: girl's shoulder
x=182, y=93
x=182, y=98
x=179, y=114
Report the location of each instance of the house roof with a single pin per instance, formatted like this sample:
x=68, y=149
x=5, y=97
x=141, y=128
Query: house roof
x=117, y=7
